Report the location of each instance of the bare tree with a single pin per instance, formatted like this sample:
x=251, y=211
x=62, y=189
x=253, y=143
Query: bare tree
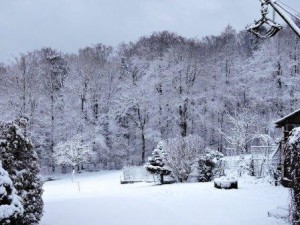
x=240, y=133
x=181, y=155
x=54, y=71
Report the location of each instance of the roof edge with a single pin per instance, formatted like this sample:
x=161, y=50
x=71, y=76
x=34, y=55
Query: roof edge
x=286, y=117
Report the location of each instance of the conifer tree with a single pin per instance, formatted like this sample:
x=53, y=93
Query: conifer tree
x=10, y=203
x=156, y=163
x=21, y=162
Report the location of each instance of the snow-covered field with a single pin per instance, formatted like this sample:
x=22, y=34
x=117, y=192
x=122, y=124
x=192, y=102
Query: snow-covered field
x=102, y=200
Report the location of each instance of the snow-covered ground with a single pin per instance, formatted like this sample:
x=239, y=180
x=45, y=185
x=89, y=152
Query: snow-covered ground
x=102, y=200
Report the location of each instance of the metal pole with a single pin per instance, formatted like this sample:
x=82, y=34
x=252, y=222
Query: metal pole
x=284, y=16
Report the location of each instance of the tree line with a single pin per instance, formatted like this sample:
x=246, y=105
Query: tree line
x=122, y=101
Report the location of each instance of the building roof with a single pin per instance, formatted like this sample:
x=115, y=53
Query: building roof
x=292, y=118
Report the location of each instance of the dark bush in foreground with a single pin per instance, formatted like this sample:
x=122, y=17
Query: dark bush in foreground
x=226, y=183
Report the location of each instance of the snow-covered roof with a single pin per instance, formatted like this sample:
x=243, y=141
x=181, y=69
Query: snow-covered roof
x=284, y=119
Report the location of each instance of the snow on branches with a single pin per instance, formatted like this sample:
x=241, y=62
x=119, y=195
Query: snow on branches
x=241, y=131
x=10, y=202
x=292, y=155
x=182, y=154
x=156, y=164
x=21, y=162
x=72, y=152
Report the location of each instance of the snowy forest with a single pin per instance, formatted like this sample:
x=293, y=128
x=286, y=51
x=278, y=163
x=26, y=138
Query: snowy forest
x=122, y=101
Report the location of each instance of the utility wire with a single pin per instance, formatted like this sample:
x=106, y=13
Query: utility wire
x=289, y=7
x=293, y=15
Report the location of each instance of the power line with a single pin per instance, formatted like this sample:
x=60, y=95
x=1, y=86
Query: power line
x=293, y=15
x=282, y=12
x=289, y=7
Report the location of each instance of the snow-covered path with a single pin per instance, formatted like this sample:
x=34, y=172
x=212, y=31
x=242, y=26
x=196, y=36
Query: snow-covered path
x=102, y=200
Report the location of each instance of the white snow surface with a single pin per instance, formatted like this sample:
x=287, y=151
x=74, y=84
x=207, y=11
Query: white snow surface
x=102, y=200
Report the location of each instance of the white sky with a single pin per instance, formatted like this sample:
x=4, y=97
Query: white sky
x=68, y=25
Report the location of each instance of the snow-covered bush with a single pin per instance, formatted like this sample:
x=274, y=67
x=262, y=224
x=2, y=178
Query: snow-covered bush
x=245, y=166
x=293, y=164
x=156, y=164
x=226, y=183
x=181, y=155
x=210, y=166
x=10, y=203
x=238, y=166
x=72, y=152
x=20, y=160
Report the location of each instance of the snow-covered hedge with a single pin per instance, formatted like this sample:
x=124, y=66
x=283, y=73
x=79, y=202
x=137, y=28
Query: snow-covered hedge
x=209, y=166
x=10, y=203
x=226, y=183
x=293, y=164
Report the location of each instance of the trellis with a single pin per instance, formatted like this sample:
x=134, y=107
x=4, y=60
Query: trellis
x=264, y=161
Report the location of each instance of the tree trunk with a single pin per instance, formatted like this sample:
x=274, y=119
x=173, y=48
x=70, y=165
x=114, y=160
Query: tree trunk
x=143, y=145
x=161, y=179
x=96, y=109
x=52, y=131
x=183, y=118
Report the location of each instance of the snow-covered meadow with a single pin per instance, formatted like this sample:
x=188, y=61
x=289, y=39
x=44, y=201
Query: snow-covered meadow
x=102, y=200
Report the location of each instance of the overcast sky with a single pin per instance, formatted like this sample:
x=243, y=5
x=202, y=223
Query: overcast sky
x=68, y=25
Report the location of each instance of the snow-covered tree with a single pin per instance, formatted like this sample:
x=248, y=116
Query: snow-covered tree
x=10, y=203
x=21, y=162
x=182, y=154
x=158, y=87
x=240, y=133
x=54, y=70
x=72, y=152
x=134, y=103
x=156, y=164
